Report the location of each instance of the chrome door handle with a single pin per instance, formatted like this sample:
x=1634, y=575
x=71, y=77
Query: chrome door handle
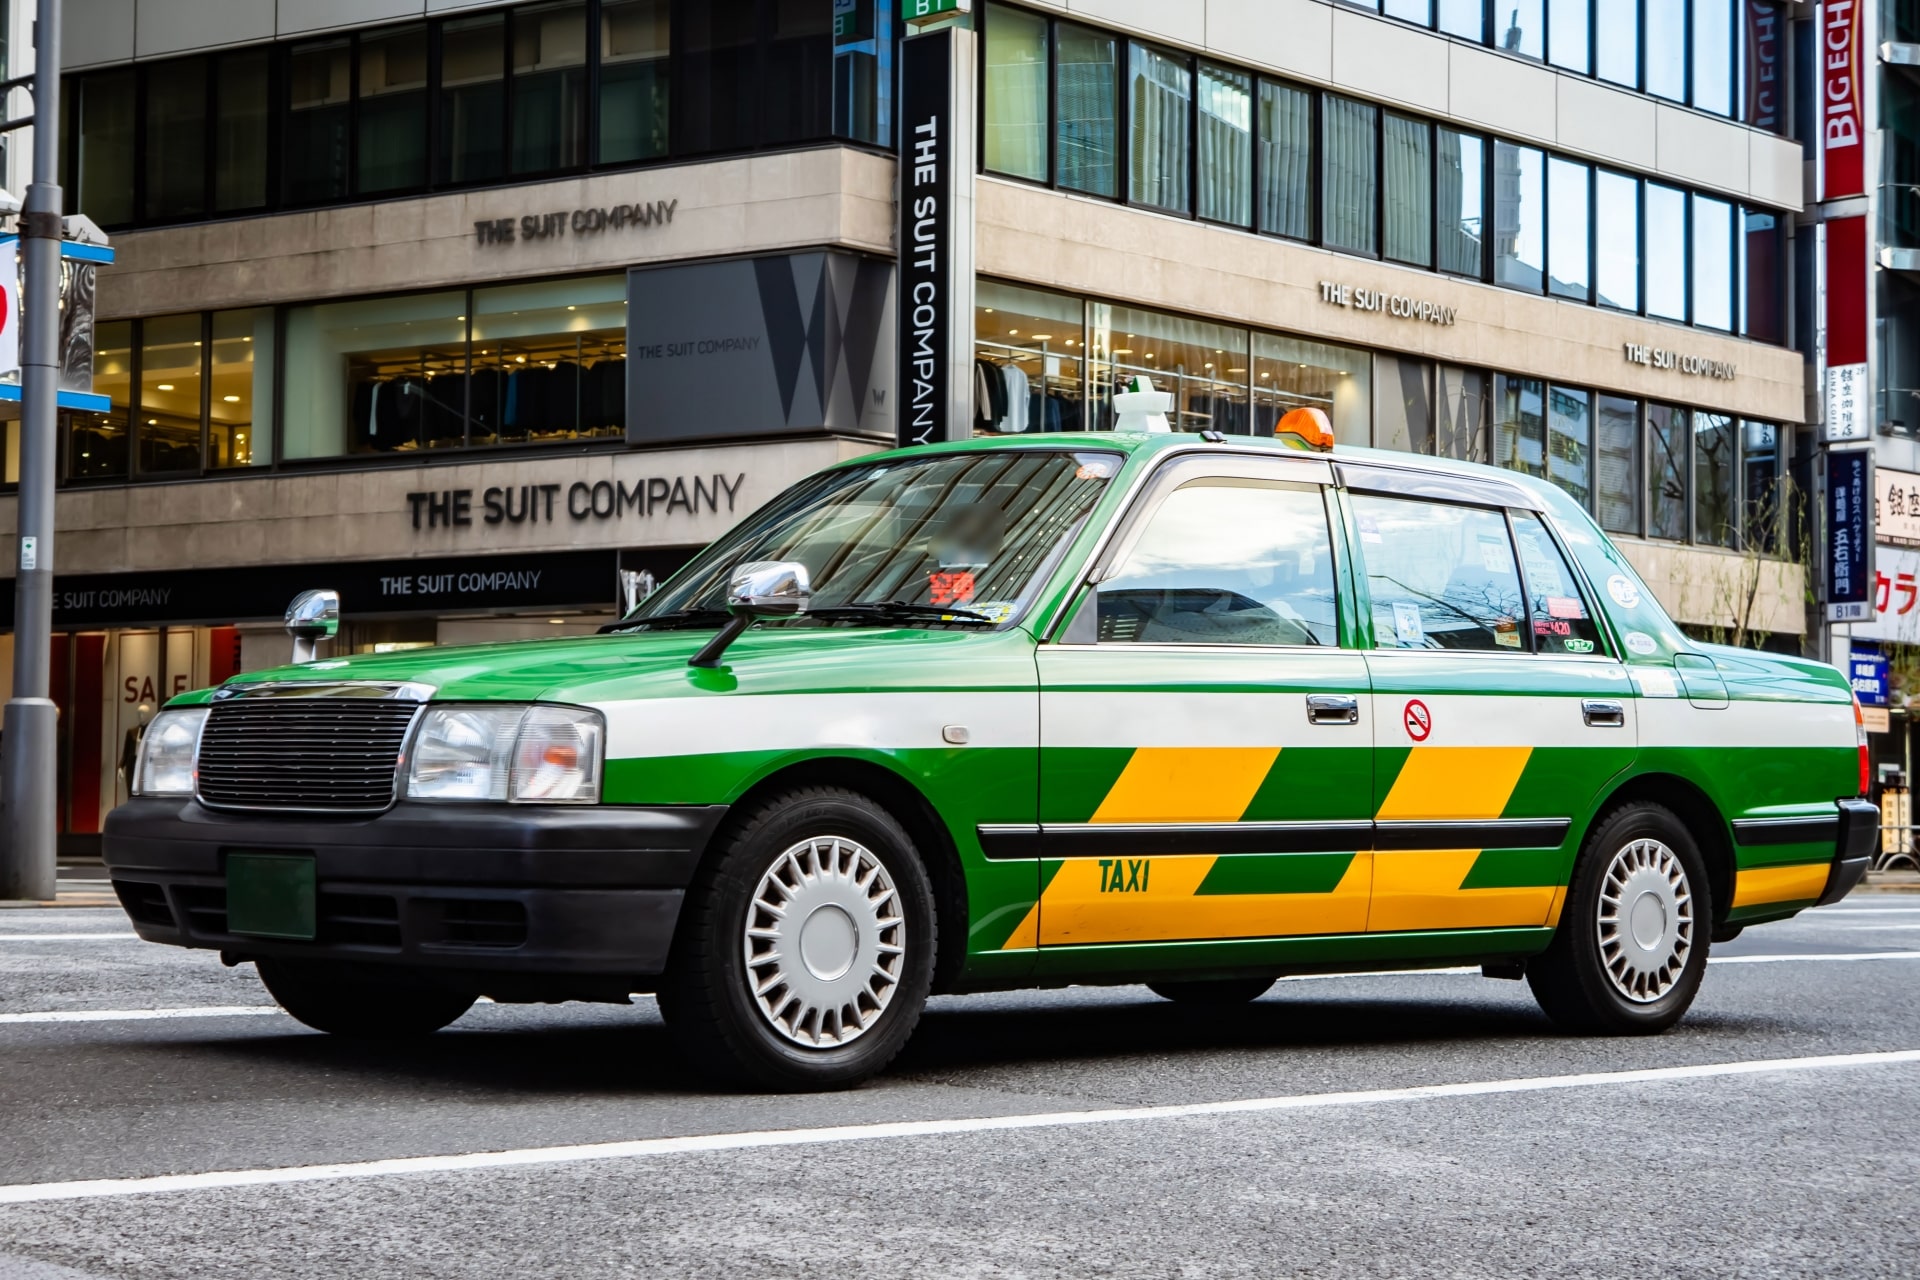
x=1332, y=708
x=1602, y=713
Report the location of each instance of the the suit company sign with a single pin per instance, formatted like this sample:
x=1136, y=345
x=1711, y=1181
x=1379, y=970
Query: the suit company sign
x=926, y=238
x=647, y=498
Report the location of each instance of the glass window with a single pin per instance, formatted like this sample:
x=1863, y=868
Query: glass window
x=1351, y=148
x=1519, y=221
x=1666, y=241
x=1520, y=27
x=176, y=141
x=1617, y=224
x=1667, y=447
x=799, y=61
x=1763, y=294
x=1192, y=359
x=1015, y=137
x=1087, y=89
x=105, y=147
x=1440, y=576
x=1562, y=623
x=719, y=92
x=1407, y=186
x=1286, y=160
x=1616, y=29
x=1417, y=11
x=1464, y=18
x=1462, y=192
x=1520, y=424
x=1569, y=269
x=633, y=80
x=240, y=430
x=473, y=99
x=240, y=131
x=1225, y=161
x=1227, y=561
x=1292, y=373
x=549, y=363
x=1666, y=49
x=97, y=442
x=1617, y=442
x=371, y=375
x=1713, y=56
x=169, y=412
x=1714, y=444
x=1712, y=263
x=392, y=122
x=863, y=73
x=1029, y=369
x=319, y=110
x=549, y=86
x=1764, y=496
x=1570, y=442
x=1404, y=404
x=1568, y=40
x=1159, y=107
x=1461, y=430
x=1762, y=60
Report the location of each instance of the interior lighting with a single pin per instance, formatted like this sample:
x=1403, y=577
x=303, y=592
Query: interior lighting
x=231, y=399
x=165, y=386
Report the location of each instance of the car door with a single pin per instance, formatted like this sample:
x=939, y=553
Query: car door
x=1205, y=739
x=1499, y=714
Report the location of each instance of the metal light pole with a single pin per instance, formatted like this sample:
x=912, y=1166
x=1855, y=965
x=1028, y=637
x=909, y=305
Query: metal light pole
x=27, y=859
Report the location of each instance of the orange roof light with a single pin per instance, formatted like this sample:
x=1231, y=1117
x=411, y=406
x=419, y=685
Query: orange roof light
x=1310, y=427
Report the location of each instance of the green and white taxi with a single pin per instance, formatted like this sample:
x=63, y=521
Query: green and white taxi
x=1194, y=712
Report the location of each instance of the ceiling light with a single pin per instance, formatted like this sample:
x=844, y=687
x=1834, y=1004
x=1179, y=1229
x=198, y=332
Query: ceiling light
x=570, y=309
x=989, y=310
x=231, y=399
x=1123, y=351
x=1041, y=337
x=165, y=386
x=1014, y=333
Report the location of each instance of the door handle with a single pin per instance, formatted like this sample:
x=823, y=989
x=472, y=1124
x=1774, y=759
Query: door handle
x=1332, y=708
x=1602, y=713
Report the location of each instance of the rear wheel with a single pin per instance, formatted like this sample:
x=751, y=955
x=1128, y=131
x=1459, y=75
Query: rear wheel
x=1215, y=991
x=348, y=1002
x=1632, y=944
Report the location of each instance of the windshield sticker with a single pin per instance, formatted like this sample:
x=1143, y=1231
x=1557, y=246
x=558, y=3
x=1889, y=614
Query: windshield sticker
x=1566, y=607
x=1506, y=633
x=1574, y=644
x=997, y=610
x=1655, y=682
x=1624, y=593
x=1494, y=555
x=1407, y=627
x=950, y=588
x=1552, y=627
x=1642, y=643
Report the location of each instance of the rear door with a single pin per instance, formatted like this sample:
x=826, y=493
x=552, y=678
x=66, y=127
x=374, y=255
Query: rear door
x=1499, y=715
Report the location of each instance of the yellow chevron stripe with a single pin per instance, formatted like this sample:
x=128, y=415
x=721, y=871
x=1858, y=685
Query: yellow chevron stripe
x=1076, y=910
x=1187, y=784
x=1420, y=889
x=1758, y=886
x=1440, y=783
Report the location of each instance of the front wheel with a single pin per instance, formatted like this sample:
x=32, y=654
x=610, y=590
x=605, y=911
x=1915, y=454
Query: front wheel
x=1217, y=992
x=346, y=1002
x=1632, y=944
x=805, y=950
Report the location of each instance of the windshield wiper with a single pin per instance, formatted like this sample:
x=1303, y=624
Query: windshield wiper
x=670, y=621
x=898, y=611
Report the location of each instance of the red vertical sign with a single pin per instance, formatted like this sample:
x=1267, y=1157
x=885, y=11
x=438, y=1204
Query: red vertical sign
x=1842, y=116
x=1766, y=87
x=1846, y=291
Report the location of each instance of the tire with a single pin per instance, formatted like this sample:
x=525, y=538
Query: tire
x=824, y=994
x=350, y=1003
x=1215, y=992
x=1632, y=944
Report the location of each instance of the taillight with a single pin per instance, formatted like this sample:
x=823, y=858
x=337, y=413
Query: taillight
x=1860, y=731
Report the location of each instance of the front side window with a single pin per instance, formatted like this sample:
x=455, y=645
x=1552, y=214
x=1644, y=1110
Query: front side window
x=473, y=99
x=1666, y=49
x=1520, y=27
x=1616, y=30
x=1570, y=442
x=1666, y=252
x=1561, y=621
x=1713, y=56
x=1227, y=561
x=1464, y=18
x=1520, y=424
x=1712, y=263
x=1440, y=576
x=1617, y=222
x=319, y=111
x=170, y=372
x=1568, y=41
x=176, y=142
x=240, y=141
x=1714, y=445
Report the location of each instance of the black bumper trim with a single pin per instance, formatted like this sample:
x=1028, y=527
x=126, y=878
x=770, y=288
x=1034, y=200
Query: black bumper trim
x=1754, y=833
x=1113, y=840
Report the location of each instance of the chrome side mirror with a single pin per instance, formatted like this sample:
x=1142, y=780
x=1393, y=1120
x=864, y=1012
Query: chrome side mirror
x=312, y=617
x=758, y=589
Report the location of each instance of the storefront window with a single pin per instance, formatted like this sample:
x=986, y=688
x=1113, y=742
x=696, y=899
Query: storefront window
x=1568, y=39
x=1462, y=193
x=1617, y=239
x=1159, y=107
x=1464, y=18
x=1286, y=161
x=549, y=86
x=1713, y=56
x=1616, y=30
x=1292, y=373
x=1348, y=192
x=1519, y=221
x=1666, y=49
x=1203, y=365
x=1404, y=404
x=549, y=363
x=392, y=119
x=473, y=99
x=381, y=375
x=240, y=406
x=1617, y=444
x=1407, y=190
x=1570, y=442
x=319, y=111
x=1520, y=424
x=1225, y=159
x=176, y=141
x=169, y=410
x=1029, y=368
x=1667, y=447
x=863, y=77
x=105, y=147
x=1519, y=27
x=1088, y=94
x=1014, y=141
x=1666, y=241
x=1569, y=270
x=633, y=80
x=97, y=443
x=1461, y=431
x=1714, y=446
x=1712, y=263
x=240, y=131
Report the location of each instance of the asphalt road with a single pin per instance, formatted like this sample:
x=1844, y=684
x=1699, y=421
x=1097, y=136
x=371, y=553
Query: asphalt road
x=1067, y=1133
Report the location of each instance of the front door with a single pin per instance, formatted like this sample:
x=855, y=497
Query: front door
x=1206, y=740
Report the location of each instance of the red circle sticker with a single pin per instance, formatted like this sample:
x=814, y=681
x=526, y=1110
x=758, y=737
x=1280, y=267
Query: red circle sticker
x=1418, y=719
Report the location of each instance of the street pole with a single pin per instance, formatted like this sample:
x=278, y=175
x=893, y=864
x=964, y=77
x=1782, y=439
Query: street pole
x=28, y=740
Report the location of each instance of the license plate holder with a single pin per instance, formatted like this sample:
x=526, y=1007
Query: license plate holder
x=272, y=895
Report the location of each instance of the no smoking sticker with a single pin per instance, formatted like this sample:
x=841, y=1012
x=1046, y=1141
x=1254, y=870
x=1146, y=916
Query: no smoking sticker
x=1418, y=719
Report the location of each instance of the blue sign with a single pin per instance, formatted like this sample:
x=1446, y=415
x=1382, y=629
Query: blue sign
x=1849, y=523
x=1867, y=669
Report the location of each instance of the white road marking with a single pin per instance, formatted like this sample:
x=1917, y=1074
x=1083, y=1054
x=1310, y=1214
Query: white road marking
x=1835, y=955
x=140, y=1015
x=1821, y=913
x=1874, y=928
x=65, y=937
x=93, y=1189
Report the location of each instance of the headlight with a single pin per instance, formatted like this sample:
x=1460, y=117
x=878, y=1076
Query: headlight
x=539, y=754
x=168, y=753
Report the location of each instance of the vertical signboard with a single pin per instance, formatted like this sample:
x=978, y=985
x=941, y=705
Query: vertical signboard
x=1842, y=112
x=1764, y=83
x=1849, y=415
x=1867, y=672
x=1848, y=518
x=932, y=390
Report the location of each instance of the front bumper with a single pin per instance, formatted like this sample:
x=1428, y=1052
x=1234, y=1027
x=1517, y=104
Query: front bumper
x=487, y=889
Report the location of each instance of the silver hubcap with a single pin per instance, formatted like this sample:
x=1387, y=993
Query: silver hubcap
x=1646, y=920
x=824, y=942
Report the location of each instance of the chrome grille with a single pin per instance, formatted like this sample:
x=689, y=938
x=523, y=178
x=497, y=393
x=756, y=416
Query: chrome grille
x=334, y=754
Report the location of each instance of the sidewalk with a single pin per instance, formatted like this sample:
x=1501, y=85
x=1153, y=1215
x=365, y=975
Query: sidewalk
x=81, y=889
x=1890, y=882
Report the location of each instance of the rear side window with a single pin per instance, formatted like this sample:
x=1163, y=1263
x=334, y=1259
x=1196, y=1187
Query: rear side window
x=1561, y=620
x=1441, y=576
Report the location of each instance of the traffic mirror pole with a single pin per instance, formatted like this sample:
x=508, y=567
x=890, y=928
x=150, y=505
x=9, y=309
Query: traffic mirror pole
x=29, y=737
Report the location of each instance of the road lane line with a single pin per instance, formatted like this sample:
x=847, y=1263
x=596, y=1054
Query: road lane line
x=140, y=1015
x=63, y=937
x=94, y=1189
x=1832, y=955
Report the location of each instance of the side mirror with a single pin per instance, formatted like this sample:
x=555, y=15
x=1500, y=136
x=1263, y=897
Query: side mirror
x=758, y=589
x=312, y=617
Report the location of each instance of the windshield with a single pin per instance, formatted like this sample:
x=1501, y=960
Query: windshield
x=966, y=530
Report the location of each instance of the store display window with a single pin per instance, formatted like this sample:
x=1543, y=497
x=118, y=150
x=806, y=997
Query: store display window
x=1293, y=373
x=1203, y=365
x=549, y=362
x=1029, y=363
